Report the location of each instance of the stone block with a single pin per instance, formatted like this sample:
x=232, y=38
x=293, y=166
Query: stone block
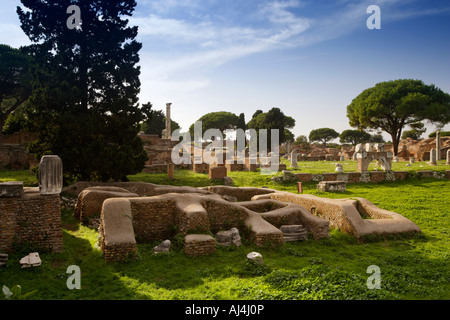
x=255, y=257
x=217, y=172
x=31, y=260
x=199, y=244
x=331, y=186
x=433, y=157
x=11, y=189
x=229, y=237
x=303, y=177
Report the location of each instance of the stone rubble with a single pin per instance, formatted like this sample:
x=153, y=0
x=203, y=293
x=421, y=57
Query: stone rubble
x=229, y=237
x=331, y=186
x=255, y=257
x=3, y=259
x=31, y=260
x=163, y=247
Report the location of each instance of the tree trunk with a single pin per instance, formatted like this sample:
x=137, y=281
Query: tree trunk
x=395, y=143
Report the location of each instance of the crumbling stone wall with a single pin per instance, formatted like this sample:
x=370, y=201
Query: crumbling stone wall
x=154, y=220
x=347, y=214
x=31, y=219
x=160, y=217
x=90, y=201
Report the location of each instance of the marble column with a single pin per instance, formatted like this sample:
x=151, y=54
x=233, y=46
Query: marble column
x=438, y=145
x=50, y=175
x=168, y=122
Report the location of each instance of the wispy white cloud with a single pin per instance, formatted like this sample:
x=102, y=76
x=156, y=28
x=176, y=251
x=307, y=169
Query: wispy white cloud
x=194, y=47
x=189, y=38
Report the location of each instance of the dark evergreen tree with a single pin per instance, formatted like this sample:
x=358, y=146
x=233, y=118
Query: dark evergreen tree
x=241, y=122
x=323, y=135
x=157, y=123
x=392, y=105
x=15, y=81
x=84, y=103
x=274, y=119
x=354, y=137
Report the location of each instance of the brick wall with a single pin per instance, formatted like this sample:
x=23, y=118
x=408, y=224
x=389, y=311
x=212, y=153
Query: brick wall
x=32, y=219
x=154, y=220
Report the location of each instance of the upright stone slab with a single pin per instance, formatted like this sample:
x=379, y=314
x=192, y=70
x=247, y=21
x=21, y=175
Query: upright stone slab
x=433, y=157
x=170, y=170
x=438, y=145
x=50, y=175
x=217, y=172
x=294, y=163
x=168, y=122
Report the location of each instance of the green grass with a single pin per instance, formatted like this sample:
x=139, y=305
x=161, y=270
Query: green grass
x=413, y=267
x=29, y=178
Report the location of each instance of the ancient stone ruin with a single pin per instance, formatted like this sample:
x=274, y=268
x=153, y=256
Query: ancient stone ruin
x=264, y=216
x=32, y=216
x=356, y=216
x=332, y=186
x=366, y=153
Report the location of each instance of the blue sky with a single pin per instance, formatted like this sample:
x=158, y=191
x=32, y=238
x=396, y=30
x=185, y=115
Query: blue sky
x=309, y=58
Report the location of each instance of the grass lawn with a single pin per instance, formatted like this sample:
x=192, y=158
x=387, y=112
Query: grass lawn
x=414, y=267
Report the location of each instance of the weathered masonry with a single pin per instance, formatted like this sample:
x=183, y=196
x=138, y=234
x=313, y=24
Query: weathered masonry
x=32, y=216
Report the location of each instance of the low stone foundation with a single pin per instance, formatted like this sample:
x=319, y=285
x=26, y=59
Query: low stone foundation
x=127, y=221
x=199, y=245
x=347, y=214
x=370, y=176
